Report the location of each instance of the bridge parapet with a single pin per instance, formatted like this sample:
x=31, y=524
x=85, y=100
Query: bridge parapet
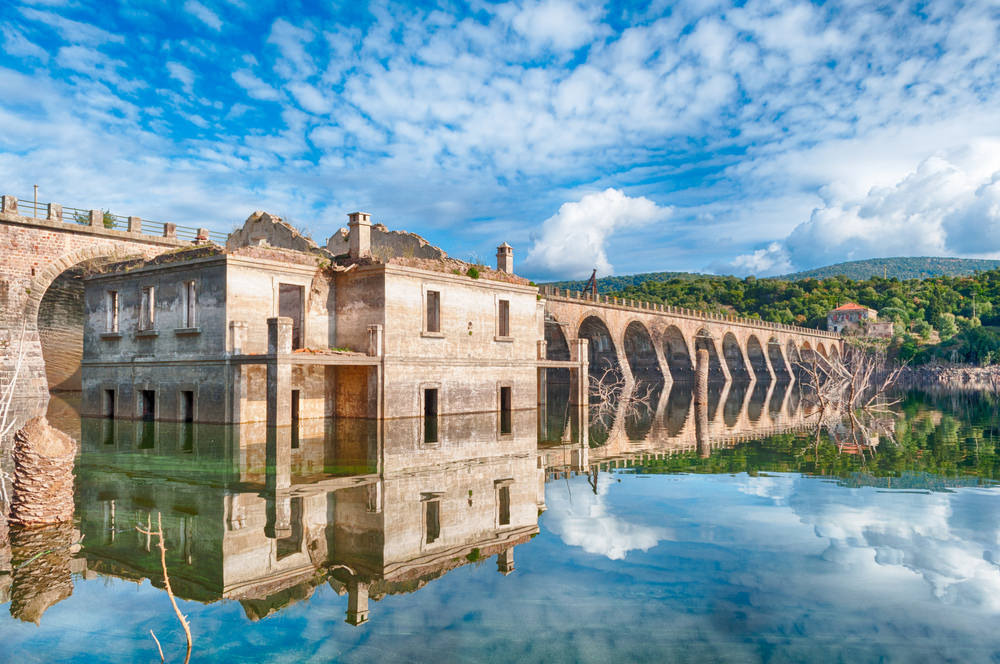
x=99, y=221
x=628, y=304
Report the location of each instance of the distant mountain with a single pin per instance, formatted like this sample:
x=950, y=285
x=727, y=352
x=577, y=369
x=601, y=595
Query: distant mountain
x=904, y=267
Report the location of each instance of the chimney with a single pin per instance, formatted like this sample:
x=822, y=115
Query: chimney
x=505, y=258
x=360, y=224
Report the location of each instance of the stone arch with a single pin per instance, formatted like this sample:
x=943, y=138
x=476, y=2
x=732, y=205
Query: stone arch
x=43, y=279
x=834, y=352
x=758, y=361
x=777, y=401
x=733, y=406
x=556, y=344
x=821, y=349
x=794, y=398
x=733, y=355
x=781, y=370
x=601, y=346
x=678, y=354
x=640, y=353
x=703, y=339
x=758, y=399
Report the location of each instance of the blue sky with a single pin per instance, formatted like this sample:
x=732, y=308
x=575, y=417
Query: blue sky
x=751, y=138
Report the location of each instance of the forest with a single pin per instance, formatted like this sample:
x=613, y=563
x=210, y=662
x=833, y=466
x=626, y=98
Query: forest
x=925, y=311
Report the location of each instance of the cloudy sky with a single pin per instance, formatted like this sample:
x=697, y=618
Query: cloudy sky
x=755, y=138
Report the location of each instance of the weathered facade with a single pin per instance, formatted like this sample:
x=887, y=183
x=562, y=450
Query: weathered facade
x=234, y=336
x=850, y=316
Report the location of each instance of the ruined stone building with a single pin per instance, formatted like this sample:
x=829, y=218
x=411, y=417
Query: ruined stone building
x=216, y=335
x=849, y=316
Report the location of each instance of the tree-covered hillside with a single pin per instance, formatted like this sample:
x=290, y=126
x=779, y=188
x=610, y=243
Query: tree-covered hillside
x=904, y=267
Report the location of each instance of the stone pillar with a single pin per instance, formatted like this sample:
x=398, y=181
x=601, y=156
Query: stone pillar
x=8, y=204
x=360, y=239
x=97, y=218
x=279, y=372
x=701, y=429
x=701, y=377
x=505, y=258
x=505, y=561
x=238, y=336
x=43, y=475
x=135, y=224
x=543, y=349
x=43, y=575
x=201, y=236
x=580, y=377
x=375, y=340
x=55, y=212
x=357, y=602
x=170, y=230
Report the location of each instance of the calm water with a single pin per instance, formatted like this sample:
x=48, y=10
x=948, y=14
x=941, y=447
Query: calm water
x=639, y=545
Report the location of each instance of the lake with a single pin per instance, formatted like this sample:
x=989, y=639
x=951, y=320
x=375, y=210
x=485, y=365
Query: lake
x=640, y=537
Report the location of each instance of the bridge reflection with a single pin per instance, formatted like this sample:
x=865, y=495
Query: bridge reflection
x=369, y=508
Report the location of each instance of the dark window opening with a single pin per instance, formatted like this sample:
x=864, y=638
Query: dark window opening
x=148, y=405
x=295, y=419
x=430, y=415
x=293, y=543
x=503, y=498
x=187, y=406
x=290, y=305
x=433, y=311
x=109, y=404
x=504, y=314
x=432, y=520
x=505, y=410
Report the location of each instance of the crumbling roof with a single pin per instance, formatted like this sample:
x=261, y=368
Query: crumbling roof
x=852, y=306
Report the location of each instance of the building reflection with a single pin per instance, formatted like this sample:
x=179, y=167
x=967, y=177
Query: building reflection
x=265, y=516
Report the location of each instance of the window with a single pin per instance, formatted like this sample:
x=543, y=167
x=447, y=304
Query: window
x=295, y=419
x=111, y=305
x=503, y=505
x=189, y=299
x=432, y=520
x=147, y=314
x=148, y=404
x=109, y=404
x=290, y=298
x=503, y=314
x=505, y=410
x=433, y=311
x=187, y=406
x=430, y=415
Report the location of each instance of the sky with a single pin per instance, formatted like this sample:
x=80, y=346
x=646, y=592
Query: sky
x=748, y=138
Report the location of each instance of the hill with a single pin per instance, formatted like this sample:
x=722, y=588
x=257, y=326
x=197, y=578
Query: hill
x=614, y=284
x=902, y=267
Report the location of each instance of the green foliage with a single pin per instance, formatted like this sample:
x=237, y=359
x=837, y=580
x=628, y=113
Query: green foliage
x=473, y=272
x=474, y=555
x=976, y=345
x=84, y=219
x=907, y=267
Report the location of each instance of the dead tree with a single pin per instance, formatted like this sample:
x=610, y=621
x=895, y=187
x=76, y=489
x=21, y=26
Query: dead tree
x=158, y=533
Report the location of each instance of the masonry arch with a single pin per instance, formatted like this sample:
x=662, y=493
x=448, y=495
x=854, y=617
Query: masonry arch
x=834, y=352
x=704, y=340
x=793, y=358
x=733, y=355
x=821, y=349
x=601, y=347
x=640, y=353
x=781, y=370
x=733, y=406
x=794, y=399
x=678, y=355
x=556, y=343
x=777, y=401
x=758, y=361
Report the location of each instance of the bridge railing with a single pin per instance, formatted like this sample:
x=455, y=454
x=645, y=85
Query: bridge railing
x=72, y=215
x=629, y=303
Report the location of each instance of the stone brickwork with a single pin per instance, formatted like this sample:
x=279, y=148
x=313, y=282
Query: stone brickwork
x=36, y=252
x=386, y=244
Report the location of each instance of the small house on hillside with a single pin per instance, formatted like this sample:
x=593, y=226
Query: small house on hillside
x=848, y=316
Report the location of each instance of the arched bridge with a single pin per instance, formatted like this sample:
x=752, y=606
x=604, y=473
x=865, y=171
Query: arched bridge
x=42, y=241
x=646, y=341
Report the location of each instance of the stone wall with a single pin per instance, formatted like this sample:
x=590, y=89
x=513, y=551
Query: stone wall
x=387, y=244
x=264, y=229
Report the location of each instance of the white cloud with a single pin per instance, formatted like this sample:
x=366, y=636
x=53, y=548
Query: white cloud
x=943, y=207
x=182, y=74
x=203, y=14
x=255, y=87
x=559, y=24
x=72, y=31
x=291, y=42
x=309, y=98
x=16, y=44
x=573, y=240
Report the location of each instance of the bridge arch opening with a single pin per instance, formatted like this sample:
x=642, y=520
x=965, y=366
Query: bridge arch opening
x=777, y=401
x=781, y=370
x=834, y=352
x=821, y=349
x=678, y=355
x=556, y=344
x=677, y=409
x=758, y=399
x=734, y=357
x=600, y=348
x=758, y=362
x=640, y=353
x=794, y=399
x=704, y=340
